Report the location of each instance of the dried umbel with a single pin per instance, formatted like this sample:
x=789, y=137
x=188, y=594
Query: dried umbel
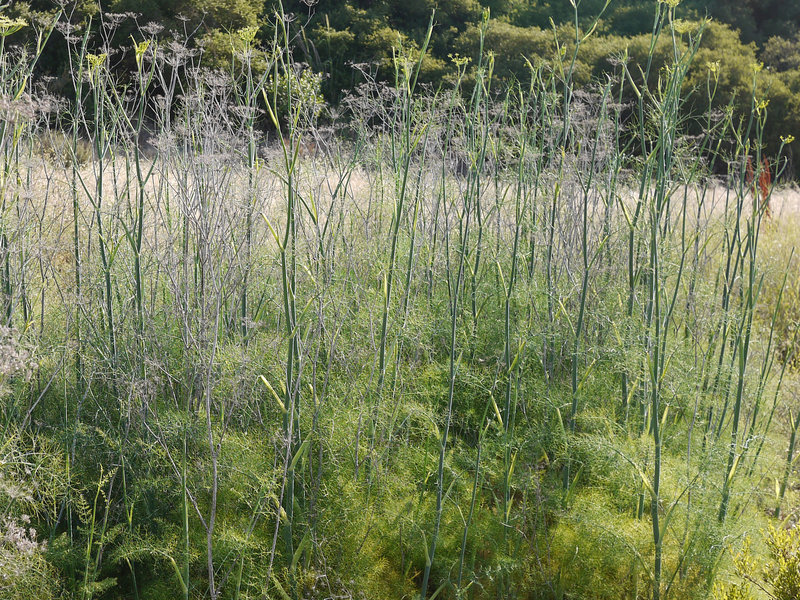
x=20, y=539
x=22, y=567
x=15, y=358
x=19, y=109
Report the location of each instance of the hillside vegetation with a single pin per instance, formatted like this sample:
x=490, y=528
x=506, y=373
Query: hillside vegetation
x=344, y=43
x=527, y=333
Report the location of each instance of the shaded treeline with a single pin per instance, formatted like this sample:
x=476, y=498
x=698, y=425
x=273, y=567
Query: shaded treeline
x=484, y=340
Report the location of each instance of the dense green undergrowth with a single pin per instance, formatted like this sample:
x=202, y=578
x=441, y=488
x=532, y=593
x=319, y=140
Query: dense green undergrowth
x=493, y=341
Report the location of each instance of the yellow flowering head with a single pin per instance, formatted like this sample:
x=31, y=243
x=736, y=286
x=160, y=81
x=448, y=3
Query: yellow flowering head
x=682, y=26
x=140, y=49
x=247, y=34
x=95, y=62
x=713, y=68
x=9, y=26
x=670, y=3
x=788, y=139
x=458, y=60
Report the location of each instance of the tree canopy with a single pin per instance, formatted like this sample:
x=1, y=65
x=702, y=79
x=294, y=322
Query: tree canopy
x=343, y=39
